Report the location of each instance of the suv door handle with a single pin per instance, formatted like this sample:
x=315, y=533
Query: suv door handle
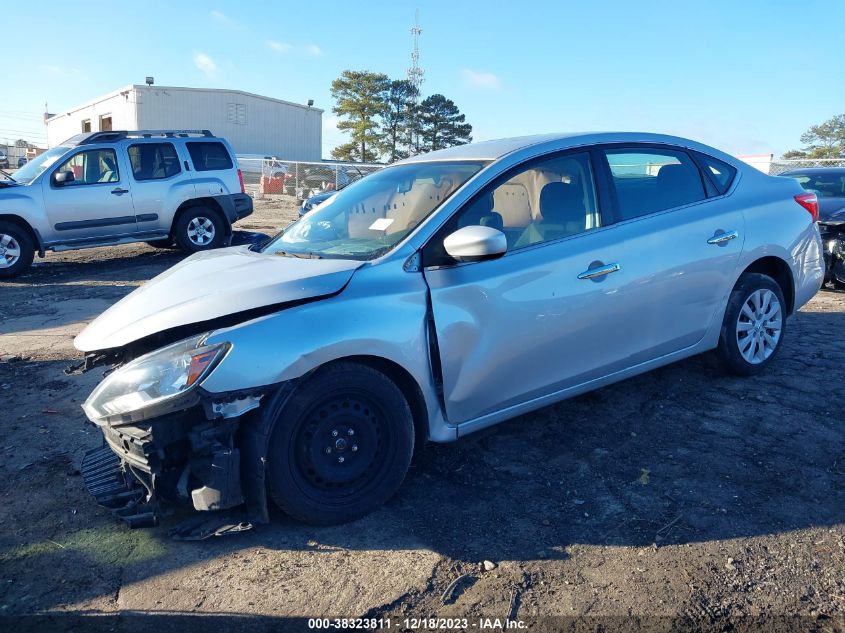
x=601, y=271
x=119, y=191
x=723, y=238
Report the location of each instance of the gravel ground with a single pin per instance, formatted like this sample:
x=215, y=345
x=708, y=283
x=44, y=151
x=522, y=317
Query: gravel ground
x=681, y=496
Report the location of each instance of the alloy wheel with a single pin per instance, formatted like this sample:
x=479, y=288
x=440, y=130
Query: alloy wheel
x=201, y=231
x=759, y=326
x=10, y=251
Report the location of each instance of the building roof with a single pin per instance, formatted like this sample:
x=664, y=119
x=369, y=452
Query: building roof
x=127, y=88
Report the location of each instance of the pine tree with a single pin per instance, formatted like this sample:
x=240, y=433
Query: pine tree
x=397, y=119
x=360, y=96
x=442, y=124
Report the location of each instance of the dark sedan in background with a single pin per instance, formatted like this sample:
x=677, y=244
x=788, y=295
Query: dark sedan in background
x=828, y=183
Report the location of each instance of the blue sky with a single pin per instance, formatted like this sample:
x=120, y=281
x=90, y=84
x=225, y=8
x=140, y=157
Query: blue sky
x=747, y=77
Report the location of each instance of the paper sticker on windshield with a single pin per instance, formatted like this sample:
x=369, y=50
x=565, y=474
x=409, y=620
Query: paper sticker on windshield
x=381, y=224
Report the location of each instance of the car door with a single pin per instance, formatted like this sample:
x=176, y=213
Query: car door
x=159, y=184
x=97, y=202
x=545, y=316
x=677, y=248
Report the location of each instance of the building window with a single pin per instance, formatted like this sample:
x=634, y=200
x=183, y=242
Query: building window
x=86, y=125
x=105, y=123
x=153, y=161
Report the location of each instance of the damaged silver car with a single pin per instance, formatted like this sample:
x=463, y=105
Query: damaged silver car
x=431, y=299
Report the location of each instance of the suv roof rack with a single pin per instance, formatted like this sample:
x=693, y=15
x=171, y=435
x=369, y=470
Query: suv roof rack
x=117, y=135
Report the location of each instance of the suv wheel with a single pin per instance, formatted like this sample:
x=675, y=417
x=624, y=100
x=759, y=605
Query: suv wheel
x=341, y=445
x=16, y=250
x=754, y=325
x=200, y=229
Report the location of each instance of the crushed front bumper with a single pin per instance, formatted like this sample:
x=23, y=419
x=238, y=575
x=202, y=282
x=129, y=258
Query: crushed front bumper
x=182, y=458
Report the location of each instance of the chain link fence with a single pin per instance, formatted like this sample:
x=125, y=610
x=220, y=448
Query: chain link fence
x=299, y=180
x=780, y=166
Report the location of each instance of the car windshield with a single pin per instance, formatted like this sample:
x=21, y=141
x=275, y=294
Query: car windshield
x=370, y=216
x=37, y=165
x=824, y=185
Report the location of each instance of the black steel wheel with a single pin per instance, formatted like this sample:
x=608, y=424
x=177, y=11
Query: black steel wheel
x=341, y=446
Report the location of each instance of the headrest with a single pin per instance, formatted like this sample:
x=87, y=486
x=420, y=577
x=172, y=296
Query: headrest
x=562, y=202
x=674, y=174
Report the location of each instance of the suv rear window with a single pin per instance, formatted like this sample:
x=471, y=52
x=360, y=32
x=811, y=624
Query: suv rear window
x=720, y=172
x=208, y=156
x=153, y=161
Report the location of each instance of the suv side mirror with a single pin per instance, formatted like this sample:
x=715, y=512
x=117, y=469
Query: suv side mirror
x=476, y=243
x=63, y=178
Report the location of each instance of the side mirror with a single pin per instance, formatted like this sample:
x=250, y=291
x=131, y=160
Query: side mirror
x=476, y=243
x=63, y=178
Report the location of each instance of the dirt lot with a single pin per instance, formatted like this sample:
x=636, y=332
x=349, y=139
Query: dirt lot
x=679, y=496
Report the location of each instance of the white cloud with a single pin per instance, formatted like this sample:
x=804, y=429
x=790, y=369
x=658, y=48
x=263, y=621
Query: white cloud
x=204, y=63
x=49, y=68
x=314, y=50
x=481, y=79
x=219, y=16
x=279, y=47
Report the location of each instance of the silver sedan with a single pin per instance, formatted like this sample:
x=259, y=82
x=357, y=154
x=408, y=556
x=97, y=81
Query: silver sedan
x=432, y=299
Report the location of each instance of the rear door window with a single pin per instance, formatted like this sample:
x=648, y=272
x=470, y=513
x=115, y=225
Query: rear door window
x=647, y=180
x=153, y=161
x=209, y=156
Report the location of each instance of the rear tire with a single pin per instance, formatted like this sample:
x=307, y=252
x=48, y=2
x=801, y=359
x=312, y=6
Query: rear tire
x=16, y=250
x=753, y=327
x=200, y=229
x=341, y=445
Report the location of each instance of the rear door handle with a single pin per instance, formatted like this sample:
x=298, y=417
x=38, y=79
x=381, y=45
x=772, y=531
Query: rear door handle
x=119, y=191
x=600, y=271
x=723, y=238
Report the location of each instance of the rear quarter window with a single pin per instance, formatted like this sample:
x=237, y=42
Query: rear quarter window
x=721, y=174
x=209, y=156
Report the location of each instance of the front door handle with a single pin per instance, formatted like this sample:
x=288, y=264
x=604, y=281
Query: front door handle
x=119, y=191
x=723, y=238
x=600, y=271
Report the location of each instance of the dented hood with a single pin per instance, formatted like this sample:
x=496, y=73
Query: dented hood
x=210, y=285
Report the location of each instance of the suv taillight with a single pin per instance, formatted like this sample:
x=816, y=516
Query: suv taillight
x=810, y=202
x=241, y=178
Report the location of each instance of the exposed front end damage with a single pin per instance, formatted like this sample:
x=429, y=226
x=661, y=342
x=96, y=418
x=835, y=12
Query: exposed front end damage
x=833, y=238
x=210, y=457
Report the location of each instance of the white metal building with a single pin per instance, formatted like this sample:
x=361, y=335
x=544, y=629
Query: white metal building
x=253, y=124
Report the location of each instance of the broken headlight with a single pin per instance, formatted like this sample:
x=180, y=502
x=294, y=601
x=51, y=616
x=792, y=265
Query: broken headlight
x=156, y=383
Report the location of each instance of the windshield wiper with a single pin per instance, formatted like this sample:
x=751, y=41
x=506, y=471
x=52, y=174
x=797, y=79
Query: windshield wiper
x=8, y=175
x=299, y=255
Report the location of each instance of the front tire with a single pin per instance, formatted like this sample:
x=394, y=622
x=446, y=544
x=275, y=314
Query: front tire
x=341, y=445
x=200, y=229
x=16, y=250
x=753, y=327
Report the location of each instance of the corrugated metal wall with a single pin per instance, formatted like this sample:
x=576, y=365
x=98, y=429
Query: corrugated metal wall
x=252, y=124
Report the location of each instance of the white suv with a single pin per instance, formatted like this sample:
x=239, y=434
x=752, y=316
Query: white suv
x=106, y=188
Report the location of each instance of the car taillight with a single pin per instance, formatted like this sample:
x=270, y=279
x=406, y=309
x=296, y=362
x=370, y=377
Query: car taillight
x=241, y=178
x=810, y=202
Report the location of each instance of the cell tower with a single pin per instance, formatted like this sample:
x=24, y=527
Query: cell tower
x=415, y=73
x=416, y=77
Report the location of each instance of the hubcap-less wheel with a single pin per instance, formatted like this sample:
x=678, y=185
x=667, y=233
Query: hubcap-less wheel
x=759, y=326
x=201, y=231
x=338, y=449
x=10, y=251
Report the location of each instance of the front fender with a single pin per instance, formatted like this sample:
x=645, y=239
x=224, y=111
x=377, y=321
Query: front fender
x=381, y=313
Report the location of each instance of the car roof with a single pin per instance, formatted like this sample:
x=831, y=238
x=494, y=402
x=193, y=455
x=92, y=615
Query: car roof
x=495, y=149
